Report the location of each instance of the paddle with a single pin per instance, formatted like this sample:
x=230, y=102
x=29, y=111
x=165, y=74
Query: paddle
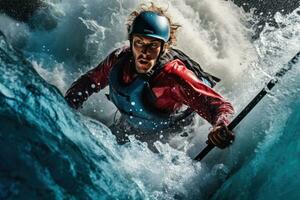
x=254, y=102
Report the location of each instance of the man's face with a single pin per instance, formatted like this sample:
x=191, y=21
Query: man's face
x=145, y=52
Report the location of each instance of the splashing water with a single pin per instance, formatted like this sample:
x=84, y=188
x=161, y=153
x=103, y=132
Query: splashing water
x=53, y=152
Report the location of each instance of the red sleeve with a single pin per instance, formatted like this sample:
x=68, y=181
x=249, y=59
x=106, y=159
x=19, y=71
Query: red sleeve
x=194, y=93
x=92, y=81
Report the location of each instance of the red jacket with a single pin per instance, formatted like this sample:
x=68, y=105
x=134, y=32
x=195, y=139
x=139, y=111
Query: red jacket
x=174, y=86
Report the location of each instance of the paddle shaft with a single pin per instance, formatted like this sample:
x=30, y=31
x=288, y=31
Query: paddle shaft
x=253, y=103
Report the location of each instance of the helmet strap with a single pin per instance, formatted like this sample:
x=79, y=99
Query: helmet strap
x=161, y=49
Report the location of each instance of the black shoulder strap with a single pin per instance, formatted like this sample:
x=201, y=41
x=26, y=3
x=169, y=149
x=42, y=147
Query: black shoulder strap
x=173, y=54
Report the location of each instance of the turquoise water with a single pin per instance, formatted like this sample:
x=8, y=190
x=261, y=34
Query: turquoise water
x=49, y=151
x=272, y=173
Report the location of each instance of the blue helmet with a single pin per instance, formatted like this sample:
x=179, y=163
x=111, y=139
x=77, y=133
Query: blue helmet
x=151, y=24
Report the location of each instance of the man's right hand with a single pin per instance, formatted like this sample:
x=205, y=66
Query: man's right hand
x=73, y=101
x=79, y=91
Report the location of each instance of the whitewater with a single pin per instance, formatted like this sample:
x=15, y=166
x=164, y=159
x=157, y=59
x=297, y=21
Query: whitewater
x=50, y=151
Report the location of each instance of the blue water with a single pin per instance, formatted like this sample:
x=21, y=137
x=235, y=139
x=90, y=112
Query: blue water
x=50, y=151
x=46, y=149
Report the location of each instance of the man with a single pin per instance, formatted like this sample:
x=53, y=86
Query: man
x=150, y=83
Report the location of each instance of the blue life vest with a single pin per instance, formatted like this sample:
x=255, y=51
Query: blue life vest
x=136, y=101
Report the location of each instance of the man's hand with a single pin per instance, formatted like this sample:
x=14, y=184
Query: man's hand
x=220, y=136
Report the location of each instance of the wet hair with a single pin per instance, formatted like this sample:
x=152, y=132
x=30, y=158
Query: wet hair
x=144, y=7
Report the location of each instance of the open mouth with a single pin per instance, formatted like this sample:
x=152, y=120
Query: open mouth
x=143, y=62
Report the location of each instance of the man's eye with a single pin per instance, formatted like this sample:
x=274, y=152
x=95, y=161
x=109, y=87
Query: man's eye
x=154, y=46
x=139, y=43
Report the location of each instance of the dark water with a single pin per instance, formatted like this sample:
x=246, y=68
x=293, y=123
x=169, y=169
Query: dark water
x=49, y=151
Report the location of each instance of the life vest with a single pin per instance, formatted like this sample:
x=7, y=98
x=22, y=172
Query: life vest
x=136, y=101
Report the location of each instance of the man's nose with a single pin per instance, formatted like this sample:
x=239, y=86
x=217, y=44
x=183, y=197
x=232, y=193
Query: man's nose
x=145, y=49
